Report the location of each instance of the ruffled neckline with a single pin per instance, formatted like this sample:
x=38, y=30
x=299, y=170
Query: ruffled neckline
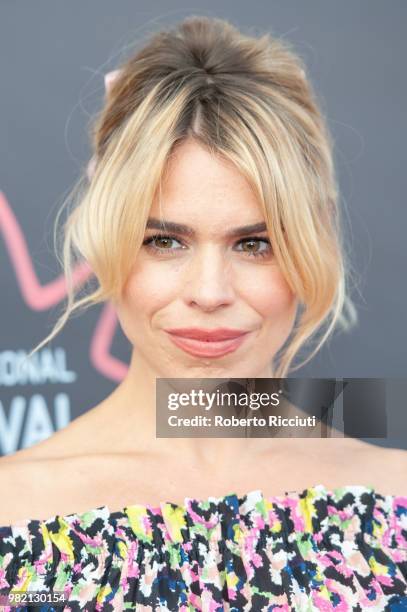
x=357, y=497
x=245, y=499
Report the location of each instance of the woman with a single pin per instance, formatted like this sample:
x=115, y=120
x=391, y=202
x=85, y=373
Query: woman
x=210, y=222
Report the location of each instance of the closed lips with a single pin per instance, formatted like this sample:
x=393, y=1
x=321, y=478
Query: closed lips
x=216, y=335
x=207, y=343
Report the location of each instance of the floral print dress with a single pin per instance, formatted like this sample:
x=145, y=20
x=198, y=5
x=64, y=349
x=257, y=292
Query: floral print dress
x=336, y=550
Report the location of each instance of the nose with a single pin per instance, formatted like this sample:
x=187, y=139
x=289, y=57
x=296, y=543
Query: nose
x=209, y=283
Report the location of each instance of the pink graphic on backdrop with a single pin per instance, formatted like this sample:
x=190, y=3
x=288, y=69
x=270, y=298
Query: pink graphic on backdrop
x=42, y=297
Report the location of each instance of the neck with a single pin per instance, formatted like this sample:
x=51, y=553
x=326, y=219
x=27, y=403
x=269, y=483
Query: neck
x=131, y=409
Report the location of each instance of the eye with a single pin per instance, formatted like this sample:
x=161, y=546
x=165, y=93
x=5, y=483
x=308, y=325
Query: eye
x=161, y=243
x=255, y=246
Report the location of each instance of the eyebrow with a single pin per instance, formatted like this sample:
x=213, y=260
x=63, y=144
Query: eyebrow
x=186, y=230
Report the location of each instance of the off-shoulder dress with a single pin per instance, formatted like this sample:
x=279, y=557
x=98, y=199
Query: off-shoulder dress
x=342, y=549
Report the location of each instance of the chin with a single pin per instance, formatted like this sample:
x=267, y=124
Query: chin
x=217, y=370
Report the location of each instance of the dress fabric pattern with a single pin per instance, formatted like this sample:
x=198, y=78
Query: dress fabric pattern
x=337, y=550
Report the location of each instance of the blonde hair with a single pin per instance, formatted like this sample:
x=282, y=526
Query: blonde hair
x=247, y=99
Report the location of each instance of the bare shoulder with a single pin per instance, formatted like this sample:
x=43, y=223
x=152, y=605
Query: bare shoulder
x=21, y=481
x=62, y=474
x=35, y=484
x=25, y=480
x=385, y=467
x=351, y=461
x=48, y=479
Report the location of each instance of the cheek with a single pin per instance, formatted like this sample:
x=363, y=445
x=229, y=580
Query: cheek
x=149, y=289
x=267, y=292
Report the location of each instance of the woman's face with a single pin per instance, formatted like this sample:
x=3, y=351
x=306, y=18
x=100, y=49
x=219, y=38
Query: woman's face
x=206, y=297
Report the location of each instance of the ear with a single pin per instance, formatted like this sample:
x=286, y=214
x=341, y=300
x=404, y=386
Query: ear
x=110, y=78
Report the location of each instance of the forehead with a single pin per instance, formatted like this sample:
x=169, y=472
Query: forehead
x=202, y=188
